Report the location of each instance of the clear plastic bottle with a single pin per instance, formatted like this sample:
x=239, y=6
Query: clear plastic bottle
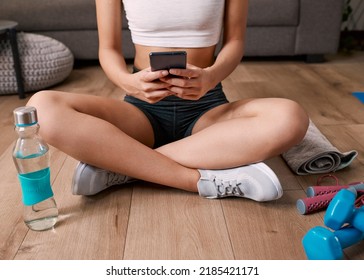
x=31, y=158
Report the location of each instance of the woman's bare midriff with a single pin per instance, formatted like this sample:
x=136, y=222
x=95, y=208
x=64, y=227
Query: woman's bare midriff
x=200, y=57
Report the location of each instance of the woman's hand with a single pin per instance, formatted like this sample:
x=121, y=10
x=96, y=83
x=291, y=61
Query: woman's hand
x=191, y=83
x=148, y=86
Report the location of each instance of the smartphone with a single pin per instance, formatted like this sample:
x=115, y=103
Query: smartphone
x=168, y=60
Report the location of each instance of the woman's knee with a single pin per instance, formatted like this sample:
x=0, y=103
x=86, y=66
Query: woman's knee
x=43, y=99
x=293, y=121
x=48, y=105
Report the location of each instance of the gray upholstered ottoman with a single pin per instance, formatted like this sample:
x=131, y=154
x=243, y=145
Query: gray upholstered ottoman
x=44, y=63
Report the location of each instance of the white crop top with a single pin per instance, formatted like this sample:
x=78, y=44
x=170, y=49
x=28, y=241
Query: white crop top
x=175, y=23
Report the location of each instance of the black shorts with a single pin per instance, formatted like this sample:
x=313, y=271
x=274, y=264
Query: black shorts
x=173, y=118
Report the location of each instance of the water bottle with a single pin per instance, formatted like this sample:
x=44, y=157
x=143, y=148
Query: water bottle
x=31, y=158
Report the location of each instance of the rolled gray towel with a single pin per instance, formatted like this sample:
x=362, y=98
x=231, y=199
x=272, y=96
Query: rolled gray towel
x=315, y=154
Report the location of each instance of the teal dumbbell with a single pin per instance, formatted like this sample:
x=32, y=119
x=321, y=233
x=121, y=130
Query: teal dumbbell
x=321, y=243
x=342, y=210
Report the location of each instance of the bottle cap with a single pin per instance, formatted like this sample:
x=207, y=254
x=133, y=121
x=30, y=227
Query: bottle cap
x=25, y=116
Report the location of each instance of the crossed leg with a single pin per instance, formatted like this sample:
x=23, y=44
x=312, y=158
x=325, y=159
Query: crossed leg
x=240, y=133
x=116, y=136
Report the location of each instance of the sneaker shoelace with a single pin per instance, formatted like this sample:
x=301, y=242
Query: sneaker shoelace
x=114, y=179
x=227, y=188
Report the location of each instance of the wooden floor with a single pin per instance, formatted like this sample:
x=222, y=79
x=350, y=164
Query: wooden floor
x=145, y=221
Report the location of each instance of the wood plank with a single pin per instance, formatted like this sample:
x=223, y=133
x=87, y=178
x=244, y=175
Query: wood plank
x=357, y=135
x=173, y=224
x=297, y=81
x=268, y=231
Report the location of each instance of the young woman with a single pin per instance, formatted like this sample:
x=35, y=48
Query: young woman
x=177, y=130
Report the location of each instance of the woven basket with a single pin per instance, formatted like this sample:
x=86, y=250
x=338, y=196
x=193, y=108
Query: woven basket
x=44, y=63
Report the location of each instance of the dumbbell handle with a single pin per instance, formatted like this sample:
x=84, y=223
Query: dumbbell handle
x=309, y=205
x=321, y=190
x=319, y=202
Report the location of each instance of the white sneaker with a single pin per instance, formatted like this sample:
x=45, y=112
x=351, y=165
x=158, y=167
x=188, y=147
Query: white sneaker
x=90, y=180
x=256, y=181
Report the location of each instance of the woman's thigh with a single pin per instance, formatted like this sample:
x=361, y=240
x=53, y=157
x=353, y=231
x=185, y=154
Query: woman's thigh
x=70, y=106
x=270, y=110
